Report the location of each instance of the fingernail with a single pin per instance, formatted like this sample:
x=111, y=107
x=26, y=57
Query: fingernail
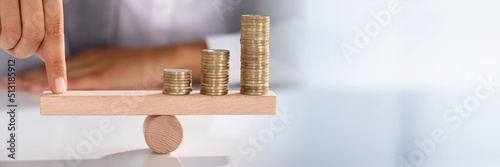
x=59, y=85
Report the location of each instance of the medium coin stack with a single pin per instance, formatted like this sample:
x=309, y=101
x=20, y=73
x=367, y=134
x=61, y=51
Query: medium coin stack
x=177, y=82
x=214, y=72
x=254, y=54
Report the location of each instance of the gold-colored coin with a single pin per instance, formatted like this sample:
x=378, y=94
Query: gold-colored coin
x=248, y=18
x=244, y=84
x=172, y=89
x=178, y=90
x=255, y=30
x=255, y=34
x=215, y=51
x=255, y=55
x=216, y=68
x=214, y=91
x=177, y=93
x=255, y=76
x=214, y=84
x=212, y=80
x=213, y=94
x=255, y=59
x=254, y=37
x=254, y=93
x=261, y=81
x=206, y=65
x=249, y=51
x=218, y=77
x=177, y=82
x=211, y=87
x=215, y=59
x=177, y=76
x=254, y=69
x=254, y=46
x=177, y=85
x=246, y=62
x=214, y=72
x=259, y=92
x=177, y=71
x=218, y=83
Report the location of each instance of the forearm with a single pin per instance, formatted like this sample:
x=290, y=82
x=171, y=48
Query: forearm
x=182, y=56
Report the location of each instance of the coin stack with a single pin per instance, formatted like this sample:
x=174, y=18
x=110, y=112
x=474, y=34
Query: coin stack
x=254, y=54
x=177, y=82
x=214, y=72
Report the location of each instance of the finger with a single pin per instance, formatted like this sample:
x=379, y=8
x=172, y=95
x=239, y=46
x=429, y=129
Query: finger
x=83, y=59
x=53, y=46
x=11, y=24
x=39, y=88
x=87, y=70
x=39, y=52
x=30, y=78
x=33, y=28
x=82, y=83
x=86, y=83
x=35, y=81
x=5, y=81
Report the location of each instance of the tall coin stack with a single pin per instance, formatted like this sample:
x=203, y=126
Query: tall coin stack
x=177, y=82
x=214, y=72
x=254, y=54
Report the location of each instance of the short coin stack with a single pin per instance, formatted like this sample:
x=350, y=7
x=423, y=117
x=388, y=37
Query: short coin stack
x=177, y=82
x=214, y=72
x=254, y=54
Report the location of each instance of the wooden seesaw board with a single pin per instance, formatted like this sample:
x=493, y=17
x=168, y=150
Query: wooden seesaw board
x=162, y=130
x=155, y=103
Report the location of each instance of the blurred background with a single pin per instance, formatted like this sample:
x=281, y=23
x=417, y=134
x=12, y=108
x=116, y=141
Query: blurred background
x=359, y=83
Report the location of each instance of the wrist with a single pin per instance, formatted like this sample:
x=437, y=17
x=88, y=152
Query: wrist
x=184, y=56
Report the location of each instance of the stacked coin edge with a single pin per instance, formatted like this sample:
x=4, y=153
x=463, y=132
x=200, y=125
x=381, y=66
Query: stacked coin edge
x=214, y=72
x=177, y=82
x=254, y=54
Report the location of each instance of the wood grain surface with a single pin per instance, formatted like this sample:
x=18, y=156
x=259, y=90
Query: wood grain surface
x=163, y=133
x=153, y=102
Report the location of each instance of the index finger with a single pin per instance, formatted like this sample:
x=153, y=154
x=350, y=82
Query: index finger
x=53, y=46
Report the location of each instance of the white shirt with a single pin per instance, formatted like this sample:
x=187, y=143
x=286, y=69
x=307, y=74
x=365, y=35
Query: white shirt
x=153, y=23
x=159, y=22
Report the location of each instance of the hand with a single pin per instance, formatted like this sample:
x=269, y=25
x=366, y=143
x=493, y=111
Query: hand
x=96, y=69
x=29, y=26
x=119, y=69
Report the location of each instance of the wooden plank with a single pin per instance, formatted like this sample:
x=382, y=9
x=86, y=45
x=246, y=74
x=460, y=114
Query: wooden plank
x=154, y=102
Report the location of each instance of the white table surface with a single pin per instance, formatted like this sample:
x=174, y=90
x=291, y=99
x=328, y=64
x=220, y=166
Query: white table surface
x=329, y=128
